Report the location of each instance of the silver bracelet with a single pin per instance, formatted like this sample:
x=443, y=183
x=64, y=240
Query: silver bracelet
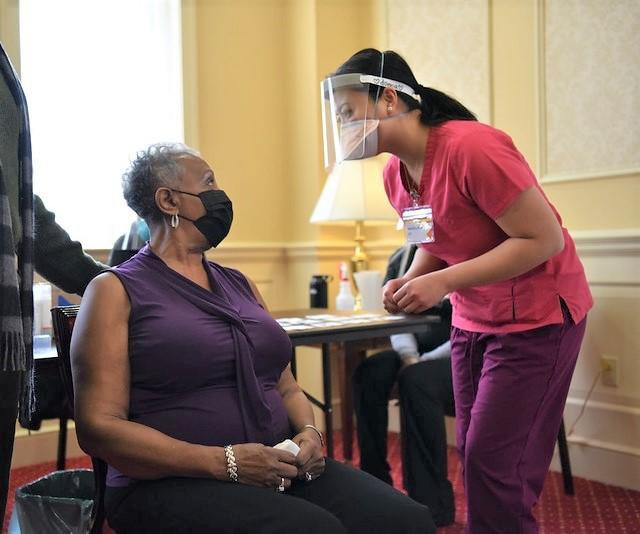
x=232, y=467
x=317, y=432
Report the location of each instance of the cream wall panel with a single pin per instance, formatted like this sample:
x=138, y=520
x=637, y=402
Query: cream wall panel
x=241, y=109
x=190, y=95
x=304, y=145
x=263, y=263
x=604, y=204
x=446, y=43
x=514, y=74
x=591, y=86
x=10, y=31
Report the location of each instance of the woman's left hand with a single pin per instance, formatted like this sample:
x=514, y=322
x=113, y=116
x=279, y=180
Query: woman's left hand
x=421, y=293
x=310, y=458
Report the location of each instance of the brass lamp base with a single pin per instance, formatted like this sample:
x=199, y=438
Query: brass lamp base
x=359, y=262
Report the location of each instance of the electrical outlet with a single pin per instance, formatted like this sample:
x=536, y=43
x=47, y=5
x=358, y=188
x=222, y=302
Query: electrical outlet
x=609, y=371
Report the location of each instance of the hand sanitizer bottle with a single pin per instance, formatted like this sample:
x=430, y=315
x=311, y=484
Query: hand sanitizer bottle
x=345, y=300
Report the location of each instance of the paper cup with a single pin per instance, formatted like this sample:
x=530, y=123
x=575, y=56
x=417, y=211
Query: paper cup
x=369, y=285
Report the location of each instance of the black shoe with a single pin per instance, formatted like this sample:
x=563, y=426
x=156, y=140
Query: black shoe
x=446, y=513
x=444, y=518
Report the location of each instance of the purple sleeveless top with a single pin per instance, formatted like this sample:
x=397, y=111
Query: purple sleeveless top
x=204, y=364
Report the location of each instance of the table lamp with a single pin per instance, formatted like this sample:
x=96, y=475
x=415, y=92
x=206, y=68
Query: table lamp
x=354, y=192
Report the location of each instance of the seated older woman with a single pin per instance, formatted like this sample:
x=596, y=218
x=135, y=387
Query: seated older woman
x=183, y=385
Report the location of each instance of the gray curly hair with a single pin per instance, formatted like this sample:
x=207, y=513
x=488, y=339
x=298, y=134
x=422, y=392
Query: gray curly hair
x=157, y=166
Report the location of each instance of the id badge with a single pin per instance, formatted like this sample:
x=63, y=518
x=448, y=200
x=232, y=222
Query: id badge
x=418, y=222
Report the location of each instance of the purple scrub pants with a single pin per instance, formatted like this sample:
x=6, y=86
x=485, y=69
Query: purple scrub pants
x=510, y=391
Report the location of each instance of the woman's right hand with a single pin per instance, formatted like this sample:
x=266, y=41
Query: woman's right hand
x=387, y=294
x=259, y=465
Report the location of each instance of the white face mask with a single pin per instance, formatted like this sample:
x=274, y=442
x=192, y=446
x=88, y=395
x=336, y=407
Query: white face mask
x=359, y=139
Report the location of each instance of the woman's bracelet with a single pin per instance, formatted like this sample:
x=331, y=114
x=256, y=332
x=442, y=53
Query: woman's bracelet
x=232, y=467
x=317, y=432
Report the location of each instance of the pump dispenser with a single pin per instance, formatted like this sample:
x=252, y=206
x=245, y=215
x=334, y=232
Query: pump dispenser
x=345, y=300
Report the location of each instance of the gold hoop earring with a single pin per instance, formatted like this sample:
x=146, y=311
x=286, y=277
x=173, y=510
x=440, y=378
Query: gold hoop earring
x=175, y=221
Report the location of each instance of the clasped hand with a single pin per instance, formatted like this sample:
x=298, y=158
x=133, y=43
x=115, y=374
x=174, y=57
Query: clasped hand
x=259, y=465
x=413, y=296
x=310, y=458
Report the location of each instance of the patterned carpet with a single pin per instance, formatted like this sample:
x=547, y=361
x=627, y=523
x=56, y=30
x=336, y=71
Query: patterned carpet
x=595, y=509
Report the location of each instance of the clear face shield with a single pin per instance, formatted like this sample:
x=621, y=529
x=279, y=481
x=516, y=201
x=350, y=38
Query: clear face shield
x=349, y=117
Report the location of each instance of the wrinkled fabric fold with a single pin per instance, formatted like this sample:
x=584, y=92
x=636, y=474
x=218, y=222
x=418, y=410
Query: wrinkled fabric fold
x=256, y=415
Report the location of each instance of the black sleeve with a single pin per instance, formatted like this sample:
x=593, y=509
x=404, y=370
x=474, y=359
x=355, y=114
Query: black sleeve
x=393, y=266
x=117, y=247
x=57, y=258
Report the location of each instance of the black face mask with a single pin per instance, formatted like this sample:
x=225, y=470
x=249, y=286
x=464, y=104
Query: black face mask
x=216, y=223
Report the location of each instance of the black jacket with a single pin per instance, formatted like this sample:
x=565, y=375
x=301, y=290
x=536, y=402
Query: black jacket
x=57, y=258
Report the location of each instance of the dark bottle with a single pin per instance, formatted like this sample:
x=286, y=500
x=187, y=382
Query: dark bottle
x=318, y=290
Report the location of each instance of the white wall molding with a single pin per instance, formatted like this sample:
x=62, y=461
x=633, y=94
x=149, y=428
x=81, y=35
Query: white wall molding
x=248, y=251
x=588, y=242
x=611, y=259
x=337, y=250
x=602, y=421
x=603, y=465
x=612, y=407
x=298, y=250
x=581, y=176
x=622, y=241
x=604, y=445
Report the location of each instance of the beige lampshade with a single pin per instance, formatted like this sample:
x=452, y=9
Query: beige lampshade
x=354, y=192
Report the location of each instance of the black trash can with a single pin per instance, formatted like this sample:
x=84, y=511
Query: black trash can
x=60, y=502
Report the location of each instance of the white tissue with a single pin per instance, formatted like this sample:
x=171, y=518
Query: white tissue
x=288, y=445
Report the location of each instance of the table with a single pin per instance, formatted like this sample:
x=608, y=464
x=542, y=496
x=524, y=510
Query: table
x=354, y=337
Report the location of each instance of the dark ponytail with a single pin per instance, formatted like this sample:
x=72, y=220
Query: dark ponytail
x=436, y=106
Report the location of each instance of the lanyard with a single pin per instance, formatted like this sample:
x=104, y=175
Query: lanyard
x=410, y=186
x=418, y=219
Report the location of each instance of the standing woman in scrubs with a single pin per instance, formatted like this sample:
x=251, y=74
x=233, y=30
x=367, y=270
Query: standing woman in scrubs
x=487, y=235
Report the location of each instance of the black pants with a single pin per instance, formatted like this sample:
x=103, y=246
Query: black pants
x=342, y=500
x=9, y=388
x=426, y=396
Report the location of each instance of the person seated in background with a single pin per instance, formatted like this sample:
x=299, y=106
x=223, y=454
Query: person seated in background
x=183, y=385
x=421, y=365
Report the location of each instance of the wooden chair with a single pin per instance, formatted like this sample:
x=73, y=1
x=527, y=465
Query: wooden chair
x=51, y=403
x=565, y=463
x=64, y=317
